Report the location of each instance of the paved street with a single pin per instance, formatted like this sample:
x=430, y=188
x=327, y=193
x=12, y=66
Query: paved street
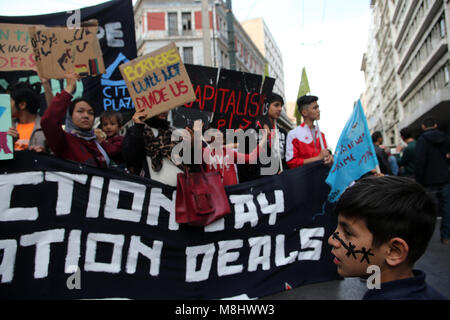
x=435, y=263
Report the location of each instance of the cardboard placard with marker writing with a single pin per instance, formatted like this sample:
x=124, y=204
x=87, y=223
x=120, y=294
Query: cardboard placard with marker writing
x=6, y=141
x=16, y=52
x=158, y=81
x=58, y=50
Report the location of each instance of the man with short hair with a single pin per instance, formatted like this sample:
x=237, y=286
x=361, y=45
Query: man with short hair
x=377, y=139
x=407, y=159
x=304, y=143
x=432, y=169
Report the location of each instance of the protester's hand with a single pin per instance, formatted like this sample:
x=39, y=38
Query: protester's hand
x=323, y=154
x=400, y=148
x=71, y=78
x=328, y=160
x=13, y=133
x=101, y=136
x=37, y=148
x=139, y=116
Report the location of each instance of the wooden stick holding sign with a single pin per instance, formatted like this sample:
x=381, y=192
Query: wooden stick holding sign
x=158, y=81
x=58, y=50
x=6, y=141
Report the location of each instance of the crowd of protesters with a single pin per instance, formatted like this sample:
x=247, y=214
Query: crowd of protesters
x=67, y=130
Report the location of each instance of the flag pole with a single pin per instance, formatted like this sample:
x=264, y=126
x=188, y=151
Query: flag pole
x=322, y=145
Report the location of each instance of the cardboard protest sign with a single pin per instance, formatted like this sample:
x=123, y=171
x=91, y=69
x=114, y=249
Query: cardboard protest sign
x=58, y=50
x=6, y=141
x=158, y=81
x=16, y=52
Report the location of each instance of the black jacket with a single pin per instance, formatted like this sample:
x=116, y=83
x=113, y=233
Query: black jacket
x=383, y=160
x=431, y=161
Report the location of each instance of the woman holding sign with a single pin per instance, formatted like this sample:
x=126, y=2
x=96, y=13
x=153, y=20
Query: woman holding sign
x=79, y=142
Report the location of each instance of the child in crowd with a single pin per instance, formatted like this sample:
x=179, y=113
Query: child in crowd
x=225, y=158
x=26, y=131
x=109, y=137
x=385, y=222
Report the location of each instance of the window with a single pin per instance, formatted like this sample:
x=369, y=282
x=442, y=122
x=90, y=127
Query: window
x=442, y=23
x=446, y=75
x=187, y=23
x=173, y=23
x=188, y=55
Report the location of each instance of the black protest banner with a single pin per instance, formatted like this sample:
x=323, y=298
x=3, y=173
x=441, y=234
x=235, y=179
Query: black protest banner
x=236, y=98
x=117, y=39
x=76, y=232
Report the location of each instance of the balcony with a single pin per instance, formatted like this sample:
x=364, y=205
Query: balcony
x=423, y=25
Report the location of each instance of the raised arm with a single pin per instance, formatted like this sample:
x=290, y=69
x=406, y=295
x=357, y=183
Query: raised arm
x=54, y=115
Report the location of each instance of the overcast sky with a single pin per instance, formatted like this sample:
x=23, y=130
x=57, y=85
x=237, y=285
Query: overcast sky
x=328, y=37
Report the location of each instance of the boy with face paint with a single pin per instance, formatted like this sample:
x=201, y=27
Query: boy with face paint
x=385, y=222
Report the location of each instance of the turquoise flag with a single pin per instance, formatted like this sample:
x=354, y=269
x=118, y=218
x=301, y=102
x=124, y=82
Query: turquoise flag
x=355, y=154
x=6, y=142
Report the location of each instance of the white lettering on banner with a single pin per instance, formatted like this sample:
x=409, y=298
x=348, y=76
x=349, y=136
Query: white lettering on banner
x=42, y=241
x=152, y=253
x=225, y=257
x=273, y=209
x=91, y=250
x=280, y=259
x=65, y=189
x=73, y=251
x=243, y=216
x=245, y=208
x=158, y=201
x=192, y=274
x=257, y=245
x=112, y=201
x=7, y=184
x=260, y=254
x=307, y=242
x=218, y=225
x=9, y=248
x=114, y=34
x=95, y=197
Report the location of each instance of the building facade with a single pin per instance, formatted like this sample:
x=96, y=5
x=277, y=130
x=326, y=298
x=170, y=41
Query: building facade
x=265, y=42
x=406, y=66
x=159, y=22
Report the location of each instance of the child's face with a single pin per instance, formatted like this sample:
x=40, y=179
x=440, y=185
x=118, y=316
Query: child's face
x=110, y=126
x=353, y=249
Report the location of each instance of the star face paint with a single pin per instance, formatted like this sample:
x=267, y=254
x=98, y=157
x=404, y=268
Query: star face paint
x=352, y=248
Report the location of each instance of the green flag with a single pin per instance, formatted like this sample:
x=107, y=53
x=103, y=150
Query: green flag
x=302, y=90
x=266, y=70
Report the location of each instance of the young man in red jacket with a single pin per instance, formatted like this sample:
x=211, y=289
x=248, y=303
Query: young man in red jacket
x=304, y=142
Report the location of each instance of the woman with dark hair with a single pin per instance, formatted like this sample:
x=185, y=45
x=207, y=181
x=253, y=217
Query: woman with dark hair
x=77, y=142
x=26, y=130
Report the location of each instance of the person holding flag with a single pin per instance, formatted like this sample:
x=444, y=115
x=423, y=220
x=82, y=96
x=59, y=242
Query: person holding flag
x=306, y=144
x=355, y=154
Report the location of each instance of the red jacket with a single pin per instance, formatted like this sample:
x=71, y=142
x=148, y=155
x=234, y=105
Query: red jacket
x=63, y=144
x=301, y=145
